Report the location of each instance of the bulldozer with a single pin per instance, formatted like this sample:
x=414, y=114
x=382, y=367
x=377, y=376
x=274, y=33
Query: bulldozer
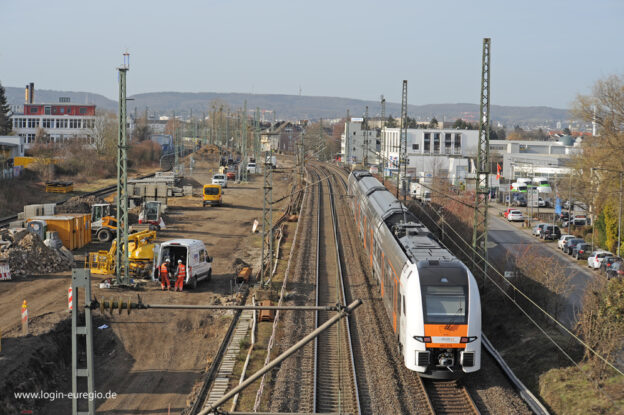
x=140, y=256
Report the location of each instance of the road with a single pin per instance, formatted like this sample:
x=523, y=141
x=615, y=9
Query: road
x=510, y=238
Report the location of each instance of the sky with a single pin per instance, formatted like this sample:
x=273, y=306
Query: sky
x=542, y=52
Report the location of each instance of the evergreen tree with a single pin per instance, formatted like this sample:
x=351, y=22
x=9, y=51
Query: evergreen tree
x=5, y=121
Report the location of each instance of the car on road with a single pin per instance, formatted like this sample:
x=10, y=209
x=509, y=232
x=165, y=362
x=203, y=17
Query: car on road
x=571, y=243
x=607, y=262
x=563, y=239
x=515, y=215
x=537, y=230
x=616, y=270
x=582, y=250
x=519, y=202
x=595, y=259
x=550, y=232
x=220, y=179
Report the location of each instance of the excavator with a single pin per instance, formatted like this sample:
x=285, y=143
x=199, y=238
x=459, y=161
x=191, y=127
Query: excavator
x=140, y=256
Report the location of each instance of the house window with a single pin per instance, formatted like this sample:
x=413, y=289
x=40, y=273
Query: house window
x=457, y=144
x=61, y=123
x=47, y=110
x=33, y=110
x=414, y=146
x=33, y=122
x=62, y=110
x=47, y=123
x=427, y=143
x=448, y=142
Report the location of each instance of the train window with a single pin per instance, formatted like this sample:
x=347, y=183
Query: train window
x=445, y=304
x=403, y=301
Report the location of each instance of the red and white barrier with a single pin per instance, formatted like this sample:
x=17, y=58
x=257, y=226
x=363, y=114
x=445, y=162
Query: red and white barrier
x=5, y=272
x=70, y=299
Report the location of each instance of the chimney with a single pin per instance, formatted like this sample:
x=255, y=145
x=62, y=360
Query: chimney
x=26, y=94
x=32, y=92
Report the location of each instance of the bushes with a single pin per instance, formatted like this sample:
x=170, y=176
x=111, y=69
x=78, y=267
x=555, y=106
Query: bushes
x=144, y=153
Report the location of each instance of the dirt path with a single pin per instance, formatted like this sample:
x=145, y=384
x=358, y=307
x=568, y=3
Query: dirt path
x=152, y=359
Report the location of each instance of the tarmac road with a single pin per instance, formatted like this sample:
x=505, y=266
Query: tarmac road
x=510, y=238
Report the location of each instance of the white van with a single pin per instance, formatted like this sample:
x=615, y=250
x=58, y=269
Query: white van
x=193, y=254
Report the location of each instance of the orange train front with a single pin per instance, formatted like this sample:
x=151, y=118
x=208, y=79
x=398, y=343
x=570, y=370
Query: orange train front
x=431, y=297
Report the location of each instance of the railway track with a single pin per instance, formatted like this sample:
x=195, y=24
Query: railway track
x=335, y=379
x=449, y=398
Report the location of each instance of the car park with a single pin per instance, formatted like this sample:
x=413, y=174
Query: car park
x=595, y=259
x=563, y=239
x=550, y=232
x=581, y=250
x=220, y=179
x=607, y=262
x=515, y=215
x=571, y=243
x=616, y=270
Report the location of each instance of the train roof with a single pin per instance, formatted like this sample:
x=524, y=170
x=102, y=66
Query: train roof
x=417, y=242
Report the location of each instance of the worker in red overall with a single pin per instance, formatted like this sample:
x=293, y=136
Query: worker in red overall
x=181, y=274
x=164, y=274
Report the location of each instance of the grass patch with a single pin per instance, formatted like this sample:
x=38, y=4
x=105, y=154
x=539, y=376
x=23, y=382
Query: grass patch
x=568, y=391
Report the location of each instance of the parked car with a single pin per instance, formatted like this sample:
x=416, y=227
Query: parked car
x=563, y=216
x=595, y=259
x=607, y=262
x=571, y=243
x=220, y=179
x=616, y=270
x=231, y=175
x=541, y=202
x=515, y=215
x=537, y=230
x=581, y=250
x=519, y=202
x=576, y=220
x=550, y=232
x=506, y=212
x=563, y=239
x=251, y=167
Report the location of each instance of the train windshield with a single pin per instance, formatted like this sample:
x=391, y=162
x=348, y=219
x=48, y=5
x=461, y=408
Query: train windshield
x=444, y=294
x=445, y=304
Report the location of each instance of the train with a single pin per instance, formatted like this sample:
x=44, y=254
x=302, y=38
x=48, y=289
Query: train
x=430, y=296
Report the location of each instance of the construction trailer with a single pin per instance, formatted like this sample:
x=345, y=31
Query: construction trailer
x=74, y=229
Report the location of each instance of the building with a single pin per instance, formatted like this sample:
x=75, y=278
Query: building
x=61, y=122
x=11, y=146
x=360, y=144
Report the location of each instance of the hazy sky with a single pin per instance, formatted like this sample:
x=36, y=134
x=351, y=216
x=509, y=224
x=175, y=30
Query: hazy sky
x=543, y=52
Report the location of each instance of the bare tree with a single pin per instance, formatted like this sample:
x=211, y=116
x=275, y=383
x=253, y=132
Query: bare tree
x=103, y=135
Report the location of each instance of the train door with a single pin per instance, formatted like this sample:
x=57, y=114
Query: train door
x=402, y=318
x=395, y=289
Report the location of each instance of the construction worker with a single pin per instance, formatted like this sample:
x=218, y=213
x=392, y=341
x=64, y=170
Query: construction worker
x=180, y=273
x=164, y=274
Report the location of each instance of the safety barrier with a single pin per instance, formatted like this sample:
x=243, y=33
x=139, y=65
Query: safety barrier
x=5, y=272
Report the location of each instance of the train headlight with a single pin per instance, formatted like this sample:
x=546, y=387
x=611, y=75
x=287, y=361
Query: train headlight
x=468, y=339
x=423, y=339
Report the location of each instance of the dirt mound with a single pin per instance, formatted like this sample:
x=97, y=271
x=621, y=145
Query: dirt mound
x=29, y=255
x=79, y=204
x=207, y=150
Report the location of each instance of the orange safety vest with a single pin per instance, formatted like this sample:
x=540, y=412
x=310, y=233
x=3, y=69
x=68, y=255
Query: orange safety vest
x=164, y=270
x=181, y=270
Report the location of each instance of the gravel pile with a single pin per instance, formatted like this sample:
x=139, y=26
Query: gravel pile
x=28, y=255
x=79, y=204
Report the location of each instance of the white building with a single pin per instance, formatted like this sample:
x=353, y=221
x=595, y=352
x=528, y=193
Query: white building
x=60, y=121
x=360, y=144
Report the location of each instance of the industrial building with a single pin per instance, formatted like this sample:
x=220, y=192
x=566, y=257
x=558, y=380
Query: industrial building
x=361, y=144
x=61, y=121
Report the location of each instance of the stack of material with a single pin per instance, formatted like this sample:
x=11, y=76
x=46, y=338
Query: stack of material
x=28, y=255
x=79, y=204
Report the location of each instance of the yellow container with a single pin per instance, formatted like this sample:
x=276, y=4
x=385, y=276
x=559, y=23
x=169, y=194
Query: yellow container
x=74, y=229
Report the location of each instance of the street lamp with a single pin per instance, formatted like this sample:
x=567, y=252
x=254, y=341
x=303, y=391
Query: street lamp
x=620, y=197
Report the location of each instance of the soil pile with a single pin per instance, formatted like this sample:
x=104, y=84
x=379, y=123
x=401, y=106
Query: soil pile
x=28, y=255
x=79, y=204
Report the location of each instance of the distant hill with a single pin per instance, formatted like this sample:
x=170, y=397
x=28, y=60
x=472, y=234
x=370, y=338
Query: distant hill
x=296, y=107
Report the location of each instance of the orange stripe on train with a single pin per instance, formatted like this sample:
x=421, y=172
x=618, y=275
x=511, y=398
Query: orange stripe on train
x=452, y=333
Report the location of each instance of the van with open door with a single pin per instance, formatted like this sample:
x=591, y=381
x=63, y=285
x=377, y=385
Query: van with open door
x=194, y=256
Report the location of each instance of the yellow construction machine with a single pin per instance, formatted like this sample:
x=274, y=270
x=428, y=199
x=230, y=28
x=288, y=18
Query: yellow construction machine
x=140, y=256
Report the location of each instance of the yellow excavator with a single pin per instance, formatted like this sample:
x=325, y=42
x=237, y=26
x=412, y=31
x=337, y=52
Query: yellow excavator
x=140, y=256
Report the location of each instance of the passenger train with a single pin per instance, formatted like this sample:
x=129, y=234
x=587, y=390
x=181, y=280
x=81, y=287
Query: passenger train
x=431, y=297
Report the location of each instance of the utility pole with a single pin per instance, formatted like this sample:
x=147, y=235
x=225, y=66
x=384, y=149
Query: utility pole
x=383, y=142
x=302, y=157
x=482, y=182
x=365, y=131
x=320, y=131
x=267, y=220
x=402, y=159
x=121, y=253
x=256, y=135
x=243, y=163
x=347, y=140
x=175, y=143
